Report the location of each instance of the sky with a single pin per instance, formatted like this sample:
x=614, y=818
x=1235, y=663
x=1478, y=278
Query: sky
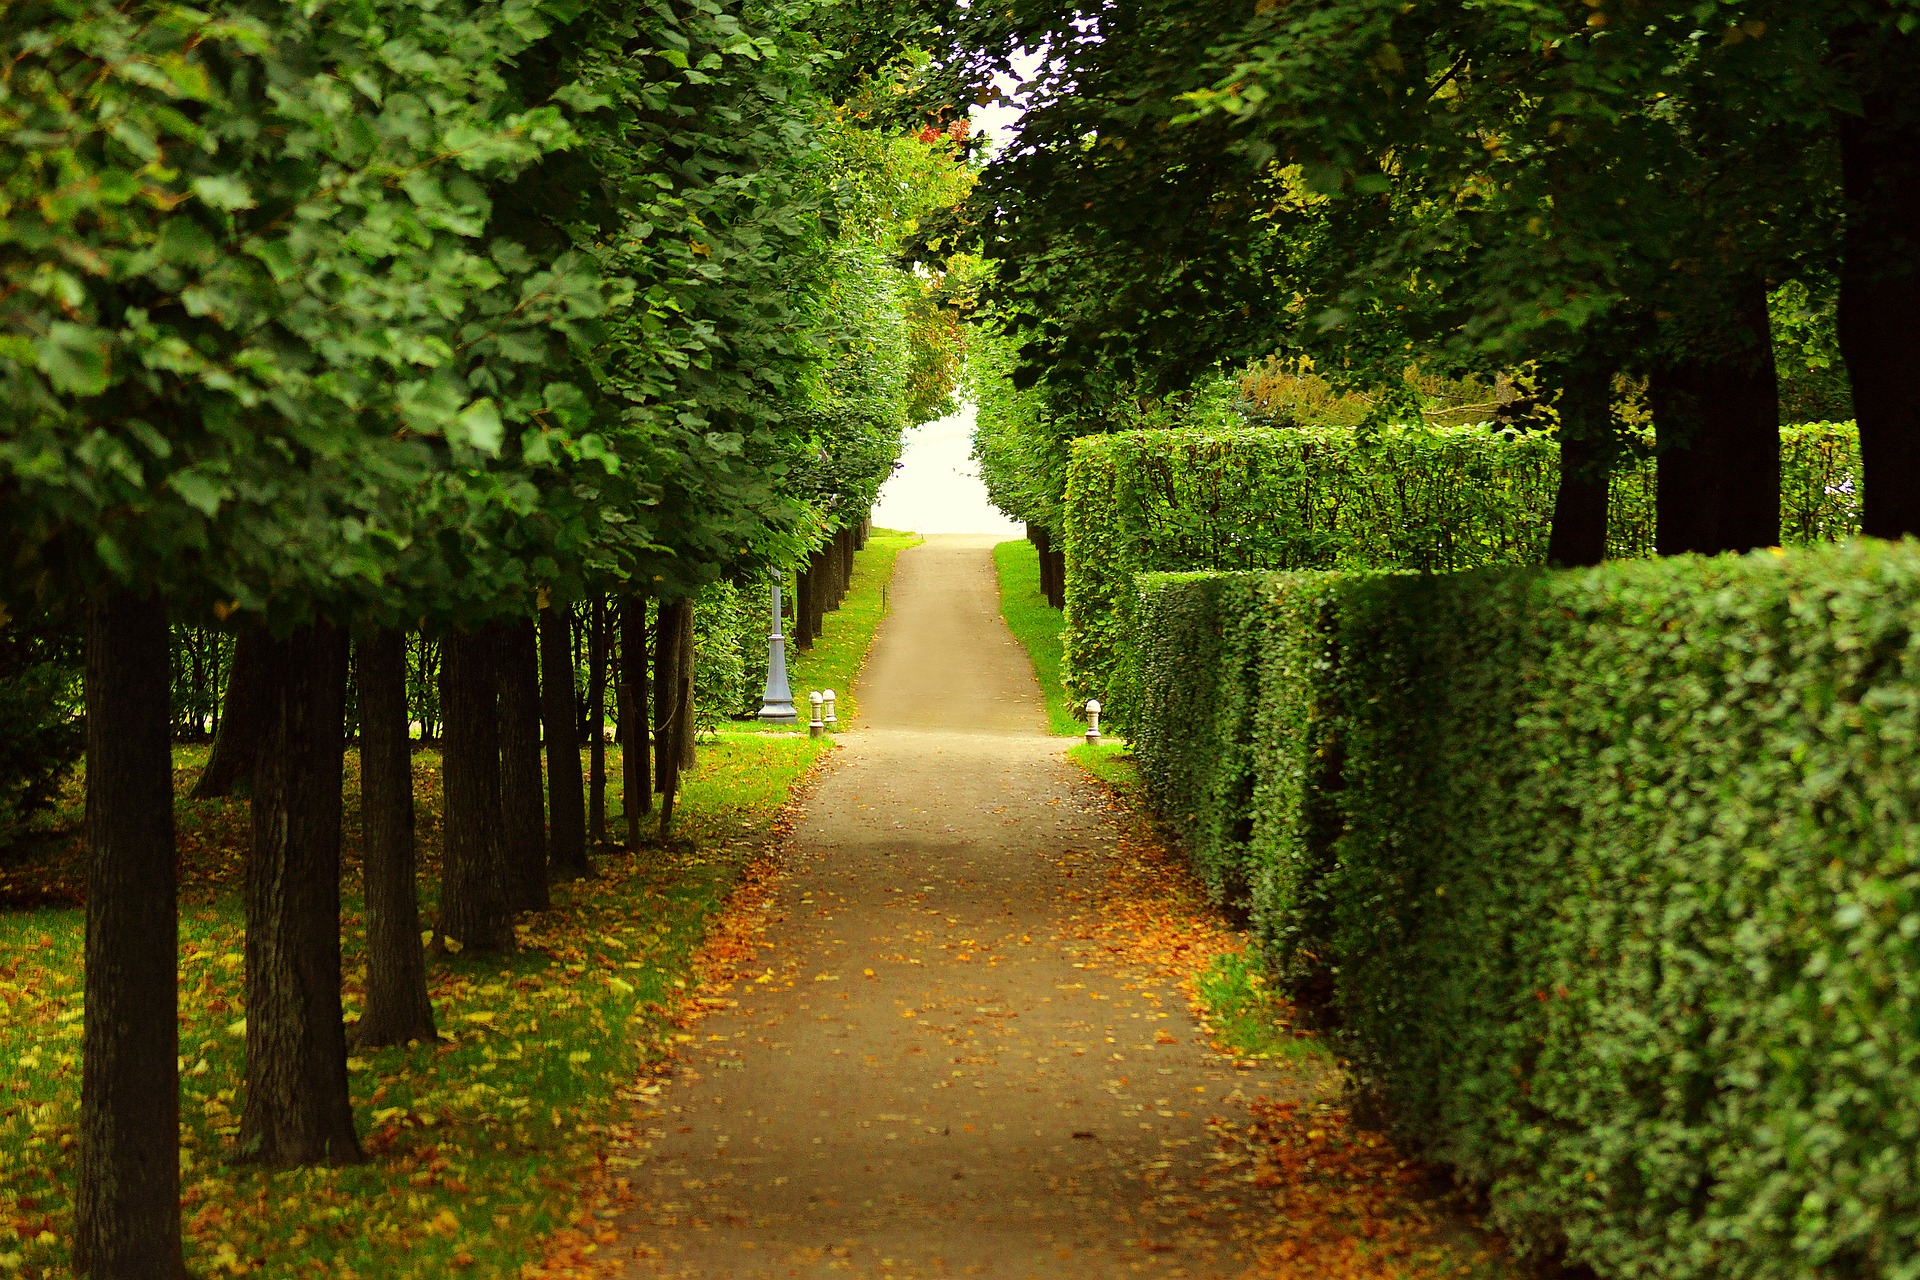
x=937, y=488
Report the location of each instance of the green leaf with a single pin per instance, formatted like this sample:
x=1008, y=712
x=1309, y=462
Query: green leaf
x=202, y=492
x=75, y=358
x=223, y=192
x=479, y=427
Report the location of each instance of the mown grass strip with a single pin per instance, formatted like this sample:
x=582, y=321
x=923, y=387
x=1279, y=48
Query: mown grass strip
x=477, y=1143
x=1038, y=626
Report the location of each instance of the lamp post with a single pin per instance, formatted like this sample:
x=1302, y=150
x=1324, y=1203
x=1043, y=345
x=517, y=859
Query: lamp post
x=776, y=700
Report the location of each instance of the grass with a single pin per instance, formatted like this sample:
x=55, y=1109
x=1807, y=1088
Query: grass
x=478, y=1144
x=1037, y=625
x=1245, y=1015
x=835, y=657
x=1111, y=761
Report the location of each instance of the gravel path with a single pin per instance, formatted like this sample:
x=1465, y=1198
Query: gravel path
x=933, y=1072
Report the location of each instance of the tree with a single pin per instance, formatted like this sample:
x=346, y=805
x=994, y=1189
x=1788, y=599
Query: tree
x=129, y=1183
x=297, y=1111
x=567, y=850
x=397, y=1006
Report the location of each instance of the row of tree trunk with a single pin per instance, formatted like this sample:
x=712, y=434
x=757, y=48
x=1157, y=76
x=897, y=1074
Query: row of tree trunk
x=824, y=580
x=507, y=690
x=1053, y=565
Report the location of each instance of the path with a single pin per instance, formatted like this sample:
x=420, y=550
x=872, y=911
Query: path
x=933, y=1076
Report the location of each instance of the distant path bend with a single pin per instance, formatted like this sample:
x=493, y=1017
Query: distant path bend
x=987, y=1102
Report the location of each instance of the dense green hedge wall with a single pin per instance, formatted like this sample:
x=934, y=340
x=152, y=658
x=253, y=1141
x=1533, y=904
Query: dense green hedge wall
x=1408, y=497
x=1608, y=879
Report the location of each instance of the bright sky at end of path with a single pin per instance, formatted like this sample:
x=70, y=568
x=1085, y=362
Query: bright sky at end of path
x=937, y=488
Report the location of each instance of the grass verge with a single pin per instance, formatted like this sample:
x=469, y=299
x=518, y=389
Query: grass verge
x=477, y=1143
x=833, y=660
x=1037, y=625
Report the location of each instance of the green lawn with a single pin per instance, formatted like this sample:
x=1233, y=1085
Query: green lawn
x=480, y=1144
x=1036, y=625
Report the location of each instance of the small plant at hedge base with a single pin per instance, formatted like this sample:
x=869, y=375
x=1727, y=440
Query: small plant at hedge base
x=1247, y=1017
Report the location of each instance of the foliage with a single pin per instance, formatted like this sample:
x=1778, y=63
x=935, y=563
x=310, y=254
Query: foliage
x=1406, y=497
x=1605, y=877
x=1037, y=626
x=41, y=735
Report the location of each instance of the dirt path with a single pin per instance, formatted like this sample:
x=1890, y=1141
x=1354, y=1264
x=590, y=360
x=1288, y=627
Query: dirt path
x=934, y=1072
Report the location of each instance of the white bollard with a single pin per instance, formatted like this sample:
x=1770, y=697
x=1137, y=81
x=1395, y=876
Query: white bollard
x=1093, y=721
x=816, y=727
x=827, y=701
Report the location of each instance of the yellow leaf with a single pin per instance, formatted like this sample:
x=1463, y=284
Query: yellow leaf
x=237, y=1028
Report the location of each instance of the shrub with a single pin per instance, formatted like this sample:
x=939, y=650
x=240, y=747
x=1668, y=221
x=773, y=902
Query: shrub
x=41, y=734
x=1610, y=879
x=1409, y=497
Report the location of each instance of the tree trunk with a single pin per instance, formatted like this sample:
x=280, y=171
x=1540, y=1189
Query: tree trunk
x=567, y=827
x=844, y=541
x=128, y=1211
x=686, y=720
x=1880, y=280
x=475, y=906
x=597, y=721
x=398, y=1009
x=636, y=758
x=231, y=760
x=673, y=711
x=822, y=579
x=1037, y=535
x=297, y=1110
x=802, y=609
x=523, y=818
x=1717, y=434
x=1587, y=450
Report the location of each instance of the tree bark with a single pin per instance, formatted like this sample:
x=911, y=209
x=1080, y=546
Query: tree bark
x=398, y=1008
x=673, y=713
x=1587, y=450
x=297, y=1111
x=1717, y=435
x=597, y=721
x=567, y=826
x=1042, y=545
x=231, y=760
x=802, y=605
x=475, y=907
x=128, y=1219
x=523, y=818
x=636, y=757
x=686, y=720
x=1879, y=317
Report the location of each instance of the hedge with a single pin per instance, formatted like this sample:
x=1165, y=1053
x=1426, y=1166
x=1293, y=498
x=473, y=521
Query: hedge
x=1410, y=497
x=1607, y=880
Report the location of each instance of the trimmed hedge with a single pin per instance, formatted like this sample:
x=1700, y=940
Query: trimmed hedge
x=1409, y=497
x=1609, y=880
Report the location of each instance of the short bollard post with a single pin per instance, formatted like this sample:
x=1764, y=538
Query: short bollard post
x=1093, y=721
x=827, y=702
x=816, y=727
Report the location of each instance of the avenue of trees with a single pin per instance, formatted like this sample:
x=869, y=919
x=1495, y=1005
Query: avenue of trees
x=321, y=325
x=1630, y=209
